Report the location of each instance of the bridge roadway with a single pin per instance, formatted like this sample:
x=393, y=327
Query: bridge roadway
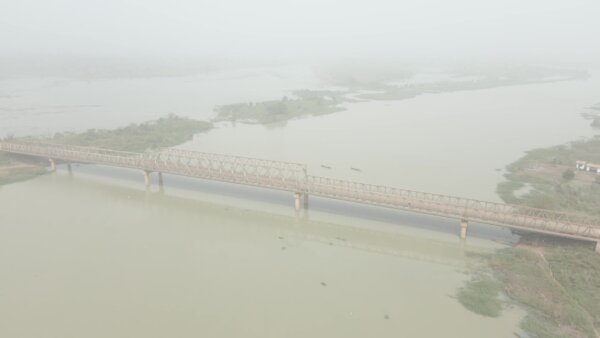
x=294, y=177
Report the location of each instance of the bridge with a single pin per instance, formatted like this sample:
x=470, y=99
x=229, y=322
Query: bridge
x=294, y=178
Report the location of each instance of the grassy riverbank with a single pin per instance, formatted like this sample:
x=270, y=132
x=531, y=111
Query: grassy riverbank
x=15, y=169
x=459, y=79
x=558, y=283
x=165, y=132
x=304, y=103
x=388, y=83
x=545, y=178
x=559, y=286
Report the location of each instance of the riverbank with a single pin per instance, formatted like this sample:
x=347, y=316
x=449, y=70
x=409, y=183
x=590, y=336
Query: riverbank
x=15, y=169
x=469, y=80
x=389, y=87
x=558, y=285
x=556, y=281
x=546, y=178
x=165, y=132
x=303, y=103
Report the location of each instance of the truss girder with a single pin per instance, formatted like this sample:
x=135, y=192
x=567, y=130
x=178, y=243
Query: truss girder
x=293, y=177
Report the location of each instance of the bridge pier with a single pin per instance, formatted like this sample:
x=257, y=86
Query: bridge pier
x=69, y=168
x=297, y=201
x=52, y=164
x=147, y=178
x=305, y=201
x=160, y=179
x=464, y=224
x=597, y=247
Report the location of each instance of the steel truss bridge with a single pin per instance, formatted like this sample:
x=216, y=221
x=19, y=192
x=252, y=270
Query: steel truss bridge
x=294, y=178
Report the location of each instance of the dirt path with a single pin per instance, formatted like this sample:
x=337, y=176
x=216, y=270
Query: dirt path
x=540, y=252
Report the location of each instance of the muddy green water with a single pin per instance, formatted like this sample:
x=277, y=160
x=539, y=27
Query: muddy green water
x=449, y=143
x=89, y=255
x=82, y=256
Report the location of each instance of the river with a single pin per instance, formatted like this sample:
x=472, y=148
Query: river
x=95, y=254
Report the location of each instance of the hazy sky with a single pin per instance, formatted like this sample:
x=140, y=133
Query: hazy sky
x=533, y=29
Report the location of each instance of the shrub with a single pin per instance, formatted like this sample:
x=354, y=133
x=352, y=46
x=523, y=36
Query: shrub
x=568, y=174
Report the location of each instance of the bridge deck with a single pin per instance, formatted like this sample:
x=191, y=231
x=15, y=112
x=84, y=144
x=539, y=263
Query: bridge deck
x=294, y=177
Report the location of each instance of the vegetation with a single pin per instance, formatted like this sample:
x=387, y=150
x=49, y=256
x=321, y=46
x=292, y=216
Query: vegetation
x=554, y=184
x=467, y=78
x=16, y=169
x=165, y=132
x=593, y=115
x=23, y=174
x=381, y=83
x=559, y=286
x=481, y=295
x=568, y=174
x=395, y=92
x=306, y=102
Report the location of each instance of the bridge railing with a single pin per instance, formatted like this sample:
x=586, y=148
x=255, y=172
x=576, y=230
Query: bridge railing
x=293, y=177
x=237, y=169
x=457, y=207
x=74, y=153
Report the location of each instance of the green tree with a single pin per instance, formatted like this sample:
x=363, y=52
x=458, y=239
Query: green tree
x=568, y=175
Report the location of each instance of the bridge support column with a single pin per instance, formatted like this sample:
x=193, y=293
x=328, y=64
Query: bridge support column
x=597, y=247
x=52, y=164
x=160, y=180
x=464, y=224
x=69, y=168
x=305, y=201
x=147, y=178
x=297, y=201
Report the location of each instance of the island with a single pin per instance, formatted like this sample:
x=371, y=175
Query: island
x=165, y=132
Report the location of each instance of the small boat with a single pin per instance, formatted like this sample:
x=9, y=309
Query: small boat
x=355, y=169
x=325, y=166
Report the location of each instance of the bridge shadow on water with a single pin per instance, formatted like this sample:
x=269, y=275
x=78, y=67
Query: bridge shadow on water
x=316, y=204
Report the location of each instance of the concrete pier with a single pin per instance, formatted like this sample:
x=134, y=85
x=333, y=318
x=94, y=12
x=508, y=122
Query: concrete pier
x=248, y=171
x=305, y=201
x=597, y=247
x=297, y=201
x=464, y=224
x=160, y=179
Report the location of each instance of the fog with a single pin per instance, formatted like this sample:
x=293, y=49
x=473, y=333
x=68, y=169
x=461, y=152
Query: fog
x=316, y=31
x=278, y=168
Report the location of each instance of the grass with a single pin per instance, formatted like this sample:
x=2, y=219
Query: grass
x=305, y=102
x=483, y=80
x=14, y=168
x=559, y=286
x=165, y=132
x=481, y=295
x=578, y=271
x=22, y=175
x=543, y=170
